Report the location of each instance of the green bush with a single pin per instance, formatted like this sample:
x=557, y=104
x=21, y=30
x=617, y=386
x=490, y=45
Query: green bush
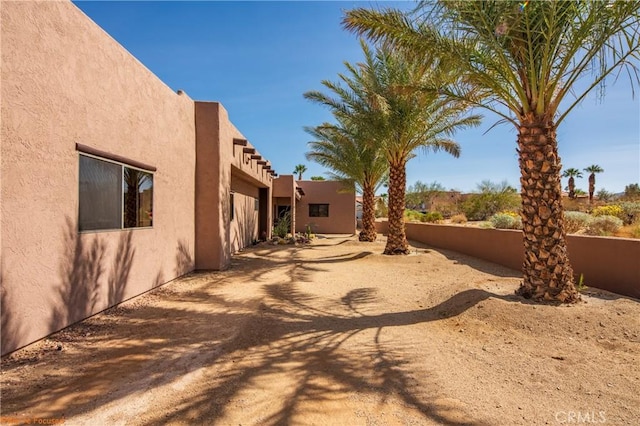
x=576, y=221
x=630, y=212
x=283, y=225
x=506, y=221
x=412, y=215
x=491, y=199
x=431, y=217
x=604, y=225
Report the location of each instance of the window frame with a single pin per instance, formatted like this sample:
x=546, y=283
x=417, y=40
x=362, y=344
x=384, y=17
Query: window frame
x=150, y=170
x=317, y=205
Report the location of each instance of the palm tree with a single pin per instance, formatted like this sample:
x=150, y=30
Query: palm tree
x=592, y=170
x=396, y=99
x=299, y=170
x=344, y=149
x=523, y=59
x=572, y=173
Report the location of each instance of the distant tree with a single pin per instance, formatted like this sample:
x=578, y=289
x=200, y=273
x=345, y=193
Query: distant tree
x=592, y=170
x=604, y=195
x=580, y=192
x=632, y=191
x=317, y=178
x=420, y=194
x=572, y=173
x=381, y=206
x=489, y=199
x=299, y=170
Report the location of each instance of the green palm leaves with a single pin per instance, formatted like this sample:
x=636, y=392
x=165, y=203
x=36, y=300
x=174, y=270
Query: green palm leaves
x=395, y=106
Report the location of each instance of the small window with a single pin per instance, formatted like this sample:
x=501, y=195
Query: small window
x=318, y=210
x=231, y=206
x=113, y=196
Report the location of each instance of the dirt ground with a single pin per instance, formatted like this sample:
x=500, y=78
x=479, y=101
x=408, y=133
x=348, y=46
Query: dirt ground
x=334, y=333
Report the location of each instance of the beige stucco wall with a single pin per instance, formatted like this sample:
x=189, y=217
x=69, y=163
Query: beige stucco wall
x=244, y=226
x=607, y=263
x=342, y=208
x=284, y=194
x=65, y=81
x=221, y=165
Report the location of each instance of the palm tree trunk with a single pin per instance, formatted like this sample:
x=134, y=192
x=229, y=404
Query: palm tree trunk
x=397, y=239
x=368, y=232
x=572, y=188
x=592, y=186
x=546, y=271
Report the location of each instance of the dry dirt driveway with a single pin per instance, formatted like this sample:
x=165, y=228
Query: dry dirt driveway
x=336, y=333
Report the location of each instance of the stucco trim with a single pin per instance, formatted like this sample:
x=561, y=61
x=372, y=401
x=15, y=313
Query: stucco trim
x=114, y=157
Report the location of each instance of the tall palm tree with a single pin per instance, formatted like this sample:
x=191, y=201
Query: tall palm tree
x=343, y=148
x=299, y=170
x=397, y=100
x=572, y=173
x=592, y=170
x=524, y=59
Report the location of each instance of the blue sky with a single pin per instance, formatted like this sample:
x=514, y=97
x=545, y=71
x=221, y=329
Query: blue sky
x=258, y=58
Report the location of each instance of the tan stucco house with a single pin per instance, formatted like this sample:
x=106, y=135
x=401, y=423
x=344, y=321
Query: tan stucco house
x=112, y=183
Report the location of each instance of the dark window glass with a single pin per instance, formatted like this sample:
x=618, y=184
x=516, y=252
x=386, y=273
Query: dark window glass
x=232, y=207
x=138, y=198
x=107, y=201
x=100, y=194
x=318, y=210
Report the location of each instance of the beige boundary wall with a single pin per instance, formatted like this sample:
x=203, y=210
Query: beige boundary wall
x=606, y=263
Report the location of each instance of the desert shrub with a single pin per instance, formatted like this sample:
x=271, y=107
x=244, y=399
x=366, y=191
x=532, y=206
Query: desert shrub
x=506, y=221
x=491, y=199
x=448, y=209
x=630, y=212
x=635, y=231
x=603, y=225
x=412, y=215
x=431, y=217
x=609, y=210
x=459, y=218
x=576, y=221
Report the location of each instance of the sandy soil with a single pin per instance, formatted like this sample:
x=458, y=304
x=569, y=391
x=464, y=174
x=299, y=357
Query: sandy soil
x=336, y=333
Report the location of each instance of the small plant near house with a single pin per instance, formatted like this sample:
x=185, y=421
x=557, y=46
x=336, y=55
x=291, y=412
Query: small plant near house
x=282, y=226
x=431, y=217
x=604, y=225
x=580, y=286
x=459, y=218
x=506, y=220
x=576, y=221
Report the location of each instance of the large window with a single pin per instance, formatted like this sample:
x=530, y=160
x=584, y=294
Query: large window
x=114, y=196
x=318, y=210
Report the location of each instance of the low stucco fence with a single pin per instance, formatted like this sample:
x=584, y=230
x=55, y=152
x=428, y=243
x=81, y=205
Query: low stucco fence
x=611, y=264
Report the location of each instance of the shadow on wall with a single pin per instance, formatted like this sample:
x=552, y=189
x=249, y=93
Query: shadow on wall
x=246, y=224
x=11, y=328
x=81, y=270
x=184, y=260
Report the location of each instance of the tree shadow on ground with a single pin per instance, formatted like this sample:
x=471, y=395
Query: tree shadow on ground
x=278, y=332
